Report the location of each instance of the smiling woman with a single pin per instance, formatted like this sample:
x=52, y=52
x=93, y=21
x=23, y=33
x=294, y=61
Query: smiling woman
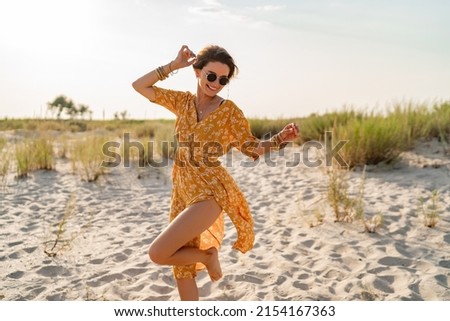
x=202, y=189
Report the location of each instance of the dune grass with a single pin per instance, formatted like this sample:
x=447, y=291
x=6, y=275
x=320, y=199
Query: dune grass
x=430, y=209
x=43, y=154
x=441, y=128
x=312, y=214
x=23, y=159
x=347, y=205
x=59, y=243
x=71, y=225
x=338, y=195
x=264, y=128
x=373, y=136
x=372, y=140
x=314, y=126
x=33, y=154
x=5, y=160
x=3, y=143
x=86, y=156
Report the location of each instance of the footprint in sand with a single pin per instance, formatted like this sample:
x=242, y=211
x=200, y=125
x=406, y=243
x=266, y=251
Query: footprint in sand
x=120, y=257
x=16, y=275
x=53, y=271
x=443, y=279
x=97, y=261
x=394, y=261
x=29, y=228
x=15, y=255
x=30, y=250
x=445, y=264
x=105, y=279
x=249, y=278
x=447, y=238
x=301, y=285
x=381, y=283
x=205, y=290
x=308, y=243
x=14, y=243
x=161, y=289
x=133, y=272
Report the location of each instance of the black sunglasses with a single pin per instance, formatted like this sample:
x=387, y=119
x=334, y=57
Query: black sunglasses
x=212, y=78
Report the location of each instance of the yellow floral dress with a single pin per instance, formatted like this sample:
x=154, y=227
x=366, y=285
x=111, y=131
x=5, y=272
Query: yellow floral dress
x=198, y=175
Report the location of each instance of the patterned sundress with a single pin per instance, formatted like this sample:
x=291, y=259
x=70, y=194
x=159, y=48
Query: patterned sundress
x=198, y=175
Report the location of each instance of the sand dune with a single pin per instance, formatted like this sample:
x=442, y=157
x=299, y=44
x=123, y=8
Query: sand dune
x=102, y=254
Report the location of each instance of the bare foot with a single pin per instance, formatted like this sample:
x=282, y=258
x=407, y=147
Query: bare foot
x=212, y=264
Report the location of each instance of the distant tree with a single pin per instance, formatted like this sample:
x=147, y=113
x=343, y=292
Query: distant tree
x=121, y=116
x=60, y=104
x=83, y=110
x=63, y=104
x=124, y=115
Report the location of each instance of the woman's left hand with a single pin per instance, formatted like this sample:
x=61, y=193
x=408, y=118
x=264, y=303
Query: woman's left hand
x=289, y=132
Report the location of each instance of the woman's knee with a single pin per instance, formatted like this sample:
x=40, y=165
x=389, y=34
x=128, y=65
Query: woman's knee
x=156, y=254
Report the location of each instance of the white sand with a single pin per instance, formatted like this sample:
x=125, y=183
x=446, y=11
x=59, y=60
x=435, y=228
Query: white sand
x=115, y=220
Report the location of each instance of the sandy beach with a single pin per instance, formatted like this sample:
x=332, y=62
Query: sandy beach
x=102, y=252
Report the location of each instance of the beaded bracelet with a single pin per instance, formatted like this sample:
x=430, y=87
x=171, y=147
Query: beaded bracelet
x=172, y=72
x=277, y=142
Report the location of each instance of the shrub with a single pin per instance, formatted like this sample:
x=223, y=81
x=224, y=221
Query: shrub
x=86, y=157
x=372, y=140
x=263, y=127
x=34, y=154
x=338, y=195
x=430, y=209
x=314, y=126
x=5, y=160
x=43, y=155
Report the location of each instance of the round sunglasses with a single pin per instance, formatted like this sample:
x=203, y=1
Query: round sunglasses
x=211, y=77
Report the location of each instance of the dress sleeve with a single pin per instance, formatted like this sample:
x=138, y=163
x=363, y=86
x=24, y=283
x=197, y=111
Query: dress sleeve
x=170, y=99
x=242, y=137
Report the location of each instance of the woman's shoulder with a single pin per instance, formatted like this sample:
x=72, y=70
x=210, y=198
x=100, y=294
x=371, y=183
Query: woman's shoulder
x=235, y=110
x=231, y=105
x=175, y=100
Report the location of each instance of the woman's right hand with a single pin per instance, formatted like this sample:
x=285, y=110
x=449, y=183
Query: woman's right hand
x=185, y=58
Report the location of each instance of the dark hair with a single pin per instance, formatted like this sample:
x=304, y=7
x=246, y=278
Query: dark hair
x=215, y=53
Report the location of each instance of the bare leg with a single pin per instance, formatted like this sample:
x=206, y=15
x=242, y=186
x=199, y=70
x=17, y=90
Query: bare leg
x=168, y=248
x=190, y=255
x=187, y=288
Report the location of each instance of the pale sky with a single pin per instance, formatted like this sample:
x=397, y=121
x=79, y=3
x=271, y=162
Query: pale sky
x=295, y=57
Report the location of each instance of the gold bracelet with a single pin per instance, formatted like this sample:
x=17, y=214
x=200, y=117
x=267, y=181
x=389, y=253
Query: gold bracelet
x=160, y=73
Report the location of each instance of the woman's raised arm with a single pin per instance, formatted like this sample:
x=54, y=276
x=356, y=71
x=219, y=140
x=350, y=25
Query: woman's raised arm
x=144, y=84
